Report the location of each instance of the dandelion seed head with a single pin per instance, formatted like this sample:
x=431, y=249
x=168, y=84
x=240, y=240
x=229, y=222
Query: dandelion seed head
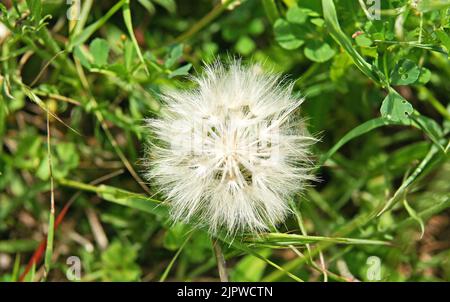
x=230, y=153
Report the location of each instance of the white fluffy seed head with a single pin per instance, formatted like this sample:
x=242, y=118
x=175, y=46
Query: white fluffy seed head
x=230, y=153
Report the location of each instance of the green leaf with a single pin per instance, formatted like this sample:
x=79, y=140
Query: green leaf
x=17, y=246
x=250, y=268
x=175, y=54
x=444, y=38
x=256, y=27
x=319, y=52
x=245, y=45
x=282, y=239
x=331, y=20
x=175, y=236
x=356, y=132
x=363, y=40
x=271, y=10
x=129, y=54
x=284, y=35
x=241, y=246
x=119, y=262
x=169, y=5
x=425, y=76
x=91, y=29
x=318, y=22
x=183, y=70
x=395, y=107
x=84, y=57
x=430, y=128
x=340, y=64
x=297, y=14
x=99, y=49
x=35, y=7
x=405, y=72
x=148, y=6
x=419, y=170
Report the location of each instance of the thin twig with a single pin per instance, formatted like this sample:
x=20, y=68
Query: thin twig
x=44, y=68
x=57, y=97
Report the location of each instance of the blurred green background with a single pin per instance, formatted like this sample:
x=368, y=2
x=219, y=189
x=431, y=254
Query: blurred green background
x=376, y=83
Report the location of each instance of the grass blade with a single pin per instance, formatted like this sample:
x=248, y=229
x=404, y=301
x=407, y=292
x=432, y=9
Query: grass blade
x=284, y=240
x=356, y=132
x=49, y=246
x=175, y=257
x=129, y=25
x=91, y=29
x=407, y=183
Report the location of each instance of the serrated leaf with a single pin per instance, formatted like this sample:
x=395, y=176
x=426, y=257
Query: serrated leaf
x=405, y=72
x=395, y=107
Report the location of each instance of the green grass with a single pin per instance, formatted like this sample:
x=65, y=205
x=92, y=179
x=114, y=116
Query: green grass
x=376, y=96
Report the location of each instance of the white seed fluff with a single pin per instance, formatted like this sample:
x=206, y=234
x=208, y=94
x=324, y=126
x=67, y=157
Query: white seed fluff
x=230, y=153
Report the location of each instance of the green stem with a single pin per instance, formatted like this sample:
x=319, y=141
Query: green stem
x=213, y=14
